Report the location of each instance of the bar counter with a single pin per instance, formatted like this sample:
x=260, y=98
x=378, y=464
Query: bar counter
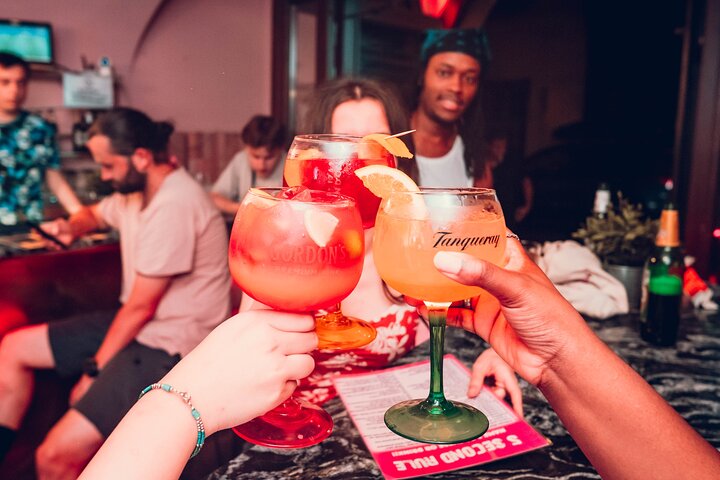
x=686, y=376
x=48, y=284
x=40, y=285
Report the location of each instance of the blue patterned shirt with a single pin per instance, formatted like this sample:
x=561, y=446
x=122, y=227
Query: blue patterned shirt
x=27, y=149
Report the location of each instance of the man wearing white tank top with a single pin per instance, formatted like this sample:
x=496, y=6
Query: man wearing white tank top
x=447, y=116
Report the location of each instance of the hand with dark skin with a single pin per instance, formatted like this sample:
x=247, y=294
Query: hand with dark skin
x=623, y=426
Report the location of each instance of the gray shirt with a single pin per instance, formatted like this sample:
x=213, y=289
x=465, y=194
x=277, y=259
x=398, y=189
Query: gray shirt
x=179, y=234
x=237, y=178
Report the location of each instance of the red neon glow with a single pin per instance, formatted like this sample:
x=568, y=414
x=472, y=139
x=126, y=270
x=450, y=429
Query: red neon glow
x=11, y=317
x=716, y=233
x=447, y=10
x=433, y=8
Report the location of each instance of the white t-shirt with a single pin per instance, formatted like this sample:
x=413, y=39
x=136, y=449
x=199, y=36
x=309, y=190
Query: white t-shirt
x=179, y=234
x=237, y=178
x=446, y=171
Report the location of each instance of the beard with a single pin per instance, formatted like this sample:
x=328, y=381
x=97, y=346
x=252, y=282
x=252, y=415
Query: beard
x=134, y=181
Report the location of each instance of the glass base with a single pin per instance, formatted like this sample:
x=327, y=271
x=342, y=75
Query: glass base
x=335, y=331
x=452, y=422
x=293, y=424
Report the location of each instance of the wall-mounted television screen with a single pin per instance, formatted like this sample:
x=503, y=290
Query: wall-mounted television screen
x=31, y=41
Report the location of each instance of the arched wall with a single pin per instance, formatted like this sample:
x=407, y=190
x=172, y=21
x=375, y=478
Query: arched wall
x=206, y=64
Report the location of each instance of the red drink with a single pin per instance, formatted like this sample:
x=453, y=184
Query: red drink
x=328, y=162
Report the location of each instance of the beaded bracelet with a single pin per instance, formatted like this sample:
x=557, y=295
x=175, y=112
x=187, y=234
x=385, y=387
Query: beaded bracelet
x=186, y=398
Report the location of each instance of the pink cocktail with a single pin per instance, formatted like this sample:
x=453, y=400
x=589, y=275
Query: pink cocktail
x=295, y=250
x=300, y=254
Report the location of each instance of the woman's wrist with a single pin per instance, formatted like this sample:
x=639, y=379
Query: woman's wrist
x=165, y=411
x=577, y=355
x=575, y=342
x=198, y=395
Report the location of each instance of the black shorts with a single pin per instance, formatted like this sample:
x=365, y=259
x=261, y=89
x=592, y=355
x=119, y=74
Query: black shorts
x=116, y=389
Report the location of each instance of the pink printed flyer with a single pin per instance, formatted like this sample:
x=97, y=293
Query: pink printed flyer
x=367, y=395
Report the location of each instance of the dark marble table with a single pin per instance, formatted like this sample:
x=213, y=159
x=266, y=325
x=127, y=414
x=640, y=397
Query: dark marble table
x=687, y=376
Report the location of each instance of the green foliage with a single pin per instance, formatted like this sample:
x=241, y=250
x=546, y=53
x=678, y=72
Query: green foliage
x=623, y=237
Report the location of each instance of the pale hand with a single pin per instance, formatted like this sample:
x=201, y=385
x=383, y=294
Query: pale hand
x=60, y=229
x=248, y=365
x=489, y=364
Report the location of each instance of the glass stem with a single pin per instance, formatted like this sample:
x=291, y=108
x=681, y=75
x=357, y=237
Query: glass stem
x=437, y=314
x=289, y=408
x=332, y=318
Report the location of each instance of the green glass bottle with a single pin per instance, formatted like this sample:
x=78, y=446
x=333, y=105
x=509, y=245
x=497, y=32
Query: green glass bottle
x=663, y=284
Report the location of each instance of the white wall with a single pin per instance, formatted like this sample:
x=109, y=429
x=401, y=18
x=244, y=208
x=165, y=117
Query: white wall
x=206, y=64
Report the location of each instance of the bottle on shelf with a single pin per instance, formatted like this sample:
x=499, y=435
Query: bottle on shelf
x=602, y=201
x=663, y=284
x=79, y=131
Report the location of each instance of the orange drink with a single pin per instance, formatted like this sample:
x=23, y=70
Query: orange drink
x=405, y=245
x=412, y=225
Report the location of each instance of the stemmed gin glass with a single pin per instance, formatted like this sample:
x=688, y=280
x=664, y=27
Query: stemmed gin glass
x=328, y=162
x=296, y=250
x=411, y=227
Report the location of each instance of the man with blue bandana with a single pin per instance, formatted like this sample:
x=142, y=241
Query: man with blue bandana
x=447, y=116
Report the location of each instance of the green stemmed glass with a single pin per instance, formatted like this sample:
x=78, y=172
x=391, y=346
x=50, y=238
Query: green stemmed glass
x=411, y=227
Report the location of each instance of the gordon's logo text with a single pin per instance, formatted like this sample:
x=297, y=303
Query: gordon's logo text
x=310, y=254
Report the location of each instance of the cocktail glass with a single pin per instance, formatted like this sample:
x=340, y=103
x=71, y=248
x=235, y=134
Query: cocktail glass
x=411, y=228
x=328, y=162
x=296, y=250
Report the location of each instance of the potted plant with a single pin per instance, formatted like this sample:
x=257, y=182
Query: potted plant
x=623, y=240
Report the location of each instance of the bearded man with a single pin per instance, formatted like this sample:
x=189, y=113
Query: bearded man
x=175, y=290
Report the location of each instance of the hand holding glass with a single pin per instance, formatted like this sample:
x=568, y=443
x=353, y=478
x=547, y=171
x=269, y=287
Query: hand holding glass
x=295, y=250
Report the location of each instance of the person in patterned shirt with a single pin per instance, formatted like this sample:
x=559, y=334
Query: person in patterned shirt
x=28, y=151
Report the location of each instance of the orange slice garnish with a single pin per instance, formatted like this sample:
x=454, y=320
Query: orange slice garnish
x=392, y=144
